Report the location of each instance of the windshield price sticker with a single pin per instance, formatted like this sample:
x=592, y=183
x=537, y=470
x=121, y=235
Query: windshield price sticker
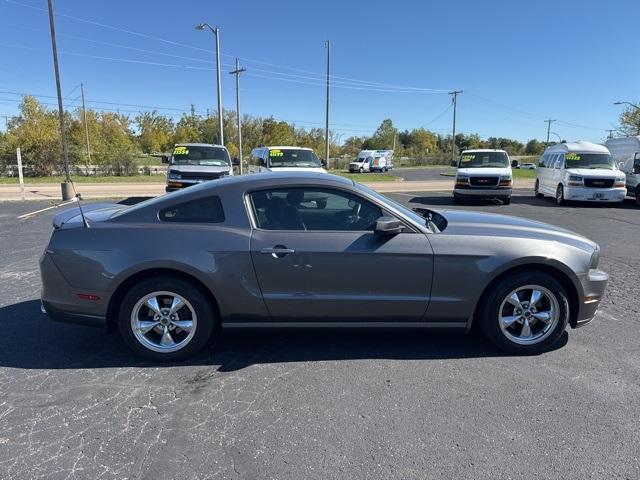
x=468, y=158
x=181, y=151
x=276, y=153
x=572, y=157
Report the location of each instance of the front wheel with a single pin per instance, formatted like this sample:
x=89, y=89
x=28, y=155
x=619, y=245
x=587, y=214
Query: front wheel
x=638, y=195
x=536, y=189
x=525, y=313
x=506, y=201
x=165, y=318
x=361, y=170
x=560, y=195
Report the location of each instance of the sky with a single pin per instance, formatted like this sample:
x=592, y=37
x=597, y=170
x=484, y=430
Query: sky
x=518, y=63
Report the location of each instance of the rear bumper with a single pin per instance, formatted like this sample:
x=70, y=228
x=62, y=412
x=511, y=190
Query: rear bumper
x=584, y=194
x=67, y=317
x=594, y=285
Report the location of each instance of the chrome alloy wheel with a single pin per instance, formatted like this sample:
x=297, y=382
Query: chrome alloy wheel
x=529, y=314
x=163, y=321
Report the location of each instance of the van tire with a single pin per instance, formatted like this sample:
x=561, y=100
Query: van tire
x=560, y=195
x=361, y=170
x=536, y=189
x=506, y=201
x=638, y=195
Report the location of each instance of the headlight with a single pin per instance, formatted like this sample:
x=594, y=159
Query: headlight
x=620, y=182
x=575, y=181
x=505, y=177
x=462, y=178
x=175, y=176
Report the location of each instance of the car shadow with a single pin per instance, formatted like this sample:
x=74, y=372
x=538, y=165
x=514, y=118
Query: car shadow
x=446, y=200
x=31, y=341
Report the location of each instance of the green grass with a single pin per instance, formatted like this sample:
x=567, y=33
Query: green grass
x=517, y=173
x=366, y=177
x=89, y=179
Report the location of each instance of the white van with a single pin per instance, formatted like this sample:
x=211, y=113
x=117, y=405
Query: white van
x=193, y=163
x=483, y=173
x=283, y=158
x=625, y=152
x=372, y=161
x=581, y=171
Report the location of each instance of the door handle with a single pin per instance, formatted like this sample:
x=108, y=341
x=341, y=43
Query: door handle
x=278, y=251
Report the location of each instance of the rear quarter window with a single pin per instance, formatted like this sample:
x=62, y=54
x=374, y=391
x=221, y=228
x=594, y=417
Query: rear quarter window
x=201, y=210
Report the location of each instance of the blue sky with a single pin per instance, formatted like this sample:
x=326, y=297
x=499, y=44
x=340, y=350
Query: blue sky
x=517, y=62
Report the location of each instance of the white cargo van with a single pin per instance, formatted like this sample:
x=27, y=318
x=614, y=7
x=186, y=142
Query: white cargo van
x=625, y=152
x=483, y=173
x=193, y=163
x=372, y=161
x=580, y=171
x=283, y=158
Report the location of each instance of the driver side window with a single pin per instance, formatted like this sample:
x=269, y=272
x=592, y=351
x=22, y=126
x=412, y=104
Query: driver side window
x=312, y=209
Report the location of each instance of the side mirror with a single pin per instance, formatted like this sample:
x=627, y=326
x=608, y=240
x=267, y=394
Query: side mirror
x=323, y=163
x=454, y=163
x=165, y=158
x=514, y=163
x=636, y=169
x=235, y=161
x=388, y=226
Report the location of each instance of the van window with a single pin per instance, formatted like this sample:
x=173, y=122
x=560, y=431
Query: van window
x=290, y=157
x=200, y=155
x=484, y=160
x=590, y=160
x=559, y=160
x=542, y=163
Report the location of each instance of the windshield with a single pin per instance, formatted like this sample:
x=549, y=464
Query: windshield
x=398, y=206
x=199, y=155
x=293, y=158
x=484, y=160
x=589, y=160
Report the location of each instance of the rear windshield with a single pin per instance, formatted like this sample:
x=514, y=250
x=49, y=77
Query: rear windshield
x=200, y=155
x=484, y=160
x=293, y=158
x=589, y=160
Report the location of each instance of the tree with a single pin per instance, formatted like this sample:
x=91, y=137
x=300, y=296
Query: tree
x=277, y=133
x=534, y=147
x=421, y=142
x=188, y=129
x=352, y=146
x=156, y=132
x=630, y=121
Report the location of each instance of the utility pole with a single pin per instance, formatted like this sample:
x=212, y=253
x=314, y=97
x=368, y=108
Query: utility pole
x=66, y=185
x=86, y=126
x=326, y=118
x=216, y=33
x=454, y=99
x=610, y=133
x=549, y=121
x=237, y=73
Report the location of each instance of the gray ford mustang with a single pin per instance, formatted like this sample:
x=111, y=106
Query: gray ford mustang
x=309, y=249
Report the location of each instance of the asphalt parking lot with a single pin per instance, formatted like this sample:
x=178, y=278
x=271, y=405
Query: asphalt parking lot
x=74, y=403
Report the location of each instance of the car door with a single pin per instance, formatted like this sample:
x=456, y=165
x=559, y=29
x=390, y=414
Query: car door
x=320, y=260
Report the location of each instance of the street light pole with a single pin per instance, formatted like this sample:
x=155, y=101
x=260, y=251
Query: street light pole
x=454, y=99
x=86, y=126
x=216, y=33
x=326, y=117
x=66, y=185
x=237, y=73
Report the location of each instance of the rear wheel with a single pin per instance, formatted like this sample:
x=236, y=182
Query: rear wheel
x=165, y=318
x=638, y=195
x=560, y=195
x=525, y=313
x=536, y=189
x=506, y=201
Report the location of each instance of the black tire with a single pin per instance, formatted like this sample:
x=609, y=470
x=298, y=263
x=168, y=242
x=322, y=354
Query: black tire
x=560, y=195
x=456, y=199
x=361, y=170
x=506, y=201
x=191, y=293
x=489, y=318
x=638, y=196
x=536, y=189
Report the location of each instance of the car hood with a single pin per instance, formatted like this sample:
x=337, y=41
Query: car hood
x=484, y=171
x=461, y=222
x=93, y=212
x=594, y=172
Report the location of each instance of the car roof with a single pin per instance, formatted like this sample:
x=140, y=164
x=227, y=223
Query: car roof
x=284, y=147
x=484, y=150
x=578, y=147
x=199, y=145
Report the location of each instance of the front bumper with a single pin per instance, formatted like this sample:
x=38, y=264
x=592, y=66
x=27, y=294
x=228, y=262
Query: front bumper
x=594, y=285
x=480, y=192
x=584, y=194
